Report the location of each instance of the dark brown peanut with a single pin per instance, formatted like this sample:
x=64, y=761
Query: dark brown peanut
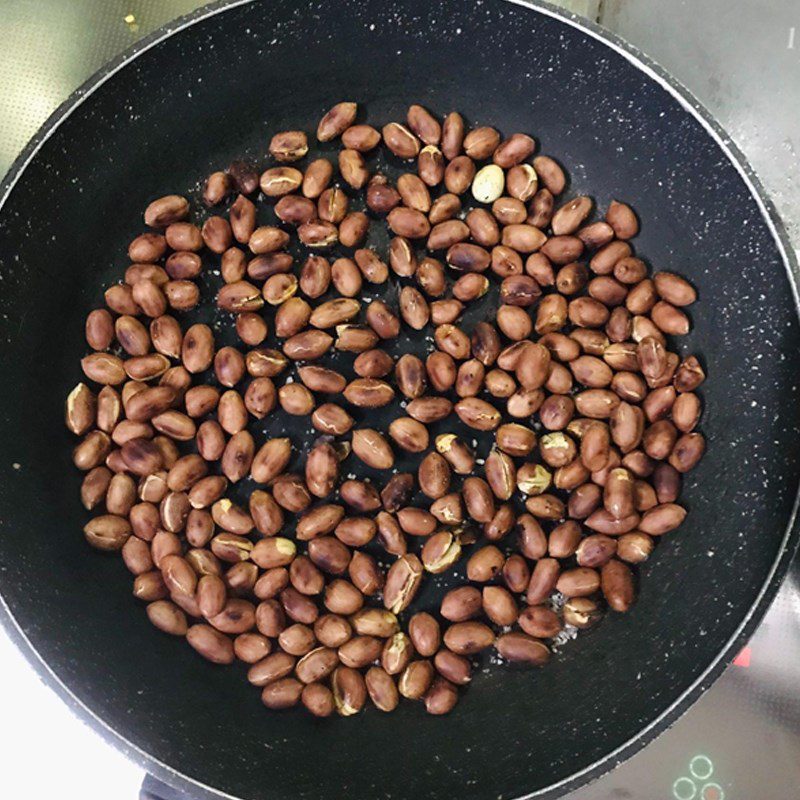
x=686, y=412
x=622, y=219
x=430, y=165
x=604, y=522
x=396, y=653
x=397, y=491
x=478, y=499
x=372, y=448
x=689, y=375
x=674, y=289
x=329, y=554
x=271, y=669
x=481, y=143
x=243, y=177
x=365, y=573
x=581, y=612
x=416, y=521
x=336, y=121
x=540, y=622
x=458, y=174
x=349, y=691
x=550, y=173
x=211, y=644
x=167, y=617
x=361, y=137
x=477, y=413
x=540, y=212
x=501, y=475
x=543, y=580
x=165, y=211
x=382, y=689
x=332, y=630
x=499, y=605
x=401, y=141
x=434, y=475
x=107, y=532
x=461, y=604
x=662, y=518
x=280, y=181
x=448, y=510
x=617, y=585
x=359, y=651
x=318, y=700
x=381, y=197
x=521, y=648
x=149, y=587
x=564, y=539
x=634, y=547
x=485, y=564
x=454, y=668
x=374, y=363
x=281, y=694
x=468, y=638
x=402, y=583
x=415, y=680
x=578, y=582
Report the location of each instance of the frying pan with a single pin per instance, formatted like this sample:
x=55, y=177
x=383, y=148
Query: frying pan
x=194, y=96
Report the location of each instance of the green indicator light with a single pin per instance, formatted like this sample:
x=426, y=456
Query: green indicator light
x=712, y=791
x=701, y=767
x=684, y=789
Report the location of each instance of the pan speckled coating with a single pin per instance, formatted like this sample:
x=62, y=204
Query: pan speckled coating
x=164, y=115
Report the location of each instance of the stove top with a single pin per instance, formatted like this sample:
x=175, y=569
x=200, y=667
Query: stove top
x=741, y=740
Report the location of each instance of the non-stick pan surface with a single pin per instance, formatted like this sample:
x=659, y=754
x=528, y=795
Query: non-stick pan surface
x=192, y=100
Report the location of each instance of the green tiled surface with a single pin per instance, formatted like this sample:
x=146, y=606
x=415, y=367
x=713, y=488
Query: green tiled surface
x=49, y=47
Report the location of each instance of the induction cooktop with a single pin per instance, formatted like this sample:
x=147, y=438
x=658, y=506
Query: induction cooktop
x=741, y=740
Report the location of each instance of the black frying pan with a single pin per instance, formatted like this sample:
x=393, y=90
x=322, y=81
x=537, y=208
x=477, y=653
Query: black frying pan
x=190, y=99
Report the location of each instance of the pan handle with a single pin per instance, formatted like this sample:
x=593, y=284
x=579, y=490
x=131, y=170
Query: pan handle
x=153, y=789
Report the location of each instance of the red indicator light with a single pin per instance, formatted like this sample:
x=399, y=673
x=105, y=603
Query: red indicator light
x=742, y=660
x=713, y=791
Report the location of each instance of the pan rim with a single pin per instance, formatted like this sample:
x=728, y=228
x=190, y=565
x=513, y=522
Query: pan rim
x=789, y=542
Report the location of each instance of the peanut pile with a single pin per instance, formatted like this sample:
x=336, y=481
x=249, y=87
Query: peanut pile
x=550, y=434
